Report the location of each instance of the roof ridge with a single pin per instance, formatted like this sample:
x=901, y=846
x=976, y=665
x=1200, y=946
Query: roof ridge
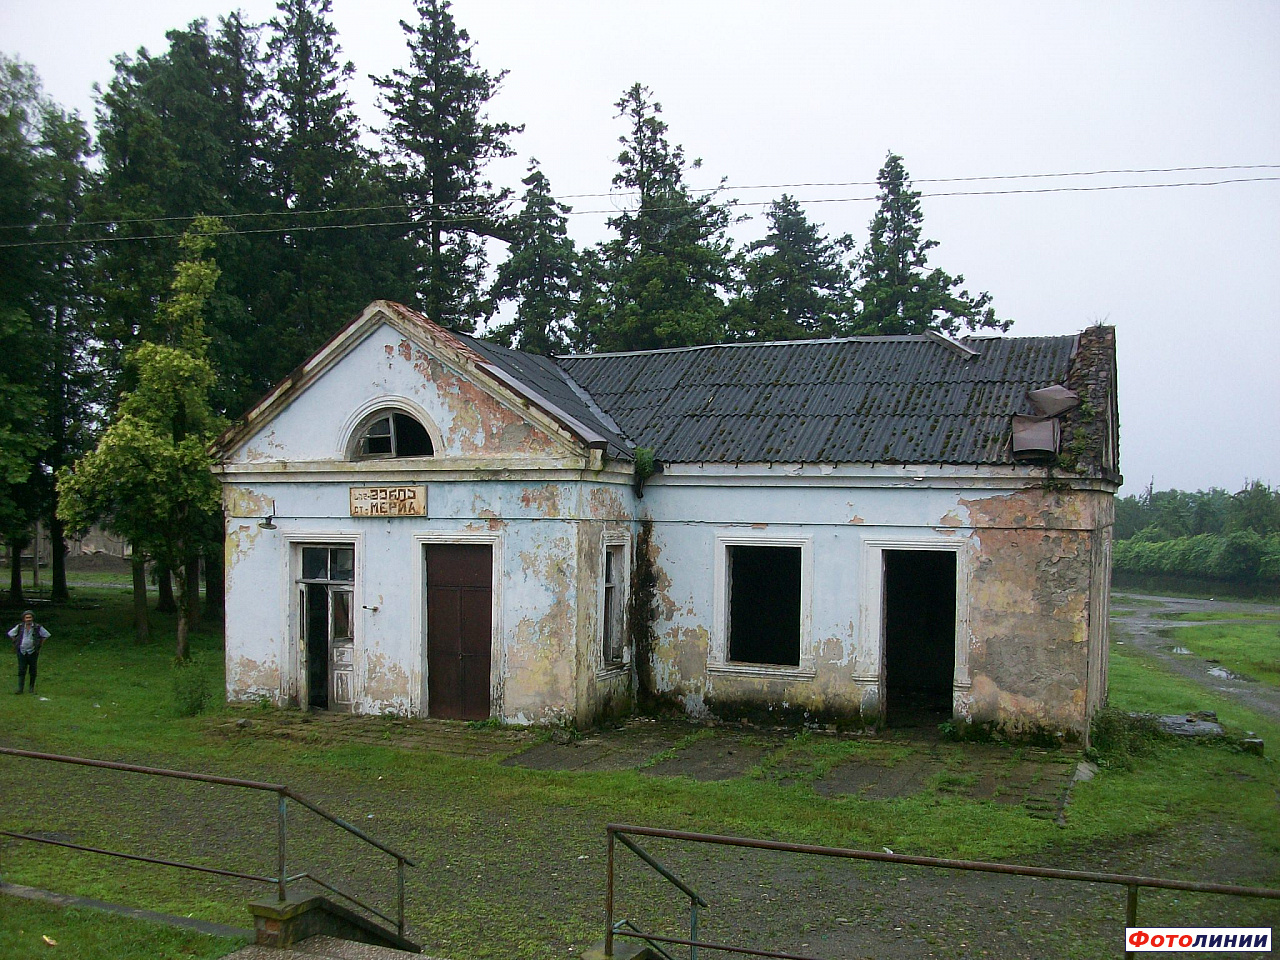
x=885, y=338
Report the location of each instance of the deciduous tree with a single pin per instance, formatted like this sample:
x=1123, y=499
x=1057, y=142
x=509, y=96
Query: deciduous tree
x=150, y=473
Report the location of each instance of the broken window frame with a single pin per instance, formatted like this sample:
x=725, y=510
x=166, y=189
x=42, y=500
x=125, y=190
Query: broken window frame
x=613, y=642
x=359, y=447
x=718, y=659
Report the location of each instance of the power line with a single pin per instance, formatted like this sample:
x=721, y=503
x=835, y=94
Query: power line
x=428, y=221
x=729, y=188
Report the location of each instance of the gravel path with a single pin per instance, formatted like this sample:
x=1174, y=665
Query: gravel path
x=1148, y=627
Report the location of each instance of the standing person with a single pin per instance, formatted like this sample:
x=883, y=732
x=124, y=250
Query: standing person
x=28, y=637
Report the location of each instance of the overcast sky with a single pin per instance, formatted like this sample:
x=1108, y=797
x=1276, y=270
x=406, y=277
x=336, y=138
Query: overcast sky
x=772, y=93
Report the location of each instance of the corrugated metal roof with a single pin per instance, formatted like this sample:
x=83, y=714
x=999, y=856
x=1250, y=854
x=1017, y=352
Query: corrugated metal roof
x=862, y=400
x=545, y=378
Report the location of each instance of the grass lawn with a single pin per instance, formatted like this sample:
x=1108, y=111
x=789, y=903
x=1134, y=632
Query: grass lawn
x=512, y=858
x=1251, y=648
x=91, y=934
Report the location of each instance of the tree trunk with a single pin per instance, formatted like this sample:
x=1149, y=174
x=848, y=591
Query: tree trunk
x=214, y=589
x=191, y=577
x=58, y=549
x=141, y=618
x=164, y=590
x=15, y=572
x=182, y=650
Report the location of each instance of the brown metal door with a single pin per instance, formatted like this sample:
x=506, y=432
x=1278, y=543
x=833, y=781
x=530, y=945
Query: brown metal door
x=459, y=630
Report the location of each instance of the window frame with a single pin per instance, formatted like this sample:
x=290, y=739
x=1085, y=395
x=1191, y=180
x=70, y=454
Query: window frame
x=718, y=661
x=358, y=425
x=621, y=545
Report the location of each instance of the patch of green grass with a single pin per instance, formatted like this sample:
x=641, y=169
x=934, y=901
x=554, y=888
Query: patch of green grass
x=1251, y=649
x=87, y=934
x=1133, y=600
x=1201, y=616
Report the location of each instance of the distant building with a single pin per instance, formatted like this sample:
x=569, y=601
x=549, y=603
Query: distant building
x=421, y=522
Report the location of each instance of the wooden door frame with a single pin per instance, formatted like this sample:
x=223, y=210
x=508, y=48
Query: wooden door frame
x=497, y=663
x=873, y=612
x=293, y=678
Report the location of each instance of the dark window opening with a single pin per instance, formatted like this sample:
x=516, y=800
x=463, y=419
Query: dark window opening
x=919, y=634
x=611, y=627
x=764, y=605
x=395, y=435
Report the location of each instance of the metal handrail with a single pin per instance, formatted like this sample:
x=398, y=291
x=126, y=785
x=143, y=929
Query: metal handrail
x=283, y=793
x=1131, y=883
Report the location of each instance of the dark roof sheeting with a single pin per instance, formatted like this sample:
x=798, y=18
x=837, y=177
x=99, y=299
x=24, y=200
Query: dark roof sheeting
x=546, y=379
x=864, y=400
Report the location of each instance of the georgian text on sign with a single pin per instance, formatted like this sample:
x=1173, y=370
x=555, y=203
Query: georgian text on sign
x=389, y=501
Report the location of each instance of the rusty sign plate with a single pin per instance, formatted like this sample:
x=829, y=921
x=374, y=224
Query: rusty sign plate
x=389, y=501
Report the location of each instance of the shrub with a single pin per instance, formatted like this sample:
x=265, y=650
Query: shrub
x=192, y=686
x=1118, y=738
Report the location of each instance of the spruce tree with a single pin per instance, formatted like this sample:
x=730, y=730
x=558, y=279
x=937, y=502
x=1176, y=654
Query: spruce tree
x=670, y=260
x=795, y=281
x=323, y=179
x=897, y=291
x=539, y=273
x=439, y=139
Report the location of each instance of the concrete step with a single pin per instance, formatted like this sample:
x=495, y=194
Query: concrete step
x=323, y=948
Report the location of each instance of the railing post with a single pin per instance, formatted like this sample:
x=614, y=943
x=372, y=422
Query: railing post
x=693, y=928
x=1130, y=911
x=281, y=853
x=608, y=900
x=400, y=895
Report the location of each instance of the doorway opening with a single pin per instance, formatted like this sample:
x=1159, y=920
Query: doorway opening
x=919, y=636
x=327, y=638
x=459, y=581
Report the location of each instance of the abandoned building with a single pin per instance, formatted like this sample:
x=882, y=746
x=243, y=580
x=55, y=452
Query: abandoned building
x=832, y=531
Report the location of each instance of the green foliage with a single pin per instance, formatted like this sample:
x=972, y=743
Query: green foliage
x=795, y=282
x=539, y=273
x=439, y=140
x=897, y=292
x=666, y=269
x=193, y=686
x=1119, y=738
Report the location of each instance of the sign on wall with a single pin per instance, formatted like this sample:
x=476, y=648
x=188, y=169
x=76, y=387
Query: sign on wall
x=389, y=501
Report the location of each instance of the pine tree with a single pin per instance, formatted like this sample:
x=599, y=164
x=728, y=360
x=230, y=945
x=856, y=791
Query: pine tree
x=897, y=292
x=795, y=281
x=539, y=273
x=440, y=140
x=670, y=260
x=322, y=176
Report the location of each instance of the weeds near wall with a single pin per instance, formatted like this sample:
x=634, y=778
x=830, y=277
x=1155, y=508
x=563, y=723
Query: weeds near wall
x=640, y=612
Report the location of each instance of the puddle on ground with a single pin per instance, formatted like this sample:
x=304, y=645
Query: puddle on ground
x=1180, y=651
x=1222, y=673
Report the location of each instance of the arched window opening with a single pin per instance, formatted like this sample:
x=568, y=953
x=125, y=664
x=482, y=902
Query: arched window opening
x=394, y=435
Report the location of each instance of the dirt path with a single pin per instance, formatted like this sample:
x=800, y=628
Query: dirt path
x=1148, y=626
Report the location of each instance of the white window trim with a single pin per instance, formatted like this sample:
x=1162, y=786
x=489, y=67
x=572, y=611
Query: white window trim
x=615, y=668
x=293, y=655
x=418, y=622
x=348, y=439
x=873, y=606
x=718, y=661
